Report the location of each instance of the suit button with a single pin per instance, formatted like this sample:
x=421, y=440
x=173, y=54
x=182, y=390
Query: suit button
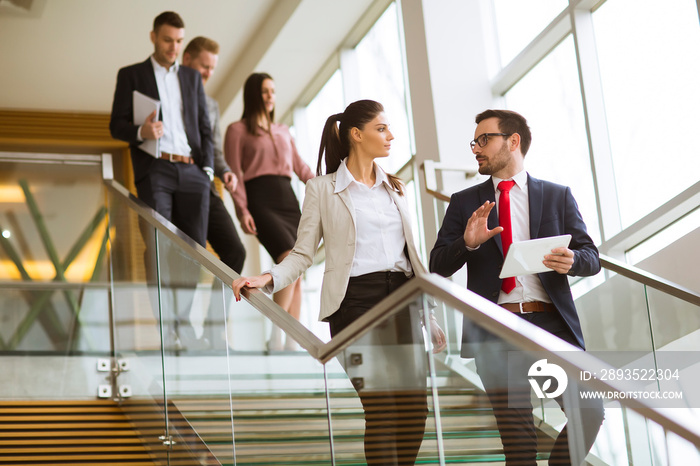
x=494, y=294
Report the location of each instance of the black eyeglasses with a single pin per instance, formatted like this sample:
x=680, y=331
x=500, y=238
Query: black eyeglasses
x=483, y=139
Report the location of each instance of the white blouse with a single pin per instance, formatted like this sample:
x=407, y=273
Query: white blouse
x=380, y=241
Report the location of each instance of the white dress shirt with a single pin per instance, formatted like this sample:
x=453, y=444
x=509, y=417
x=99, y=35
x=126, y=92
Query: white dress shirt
x=174, y=139
x=527, y=287
x=380, y=240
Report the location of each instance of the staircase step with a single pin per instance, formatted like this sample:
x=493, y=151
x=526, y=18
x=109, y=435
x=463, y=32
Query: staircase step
x=68, y=432
x=292, y=428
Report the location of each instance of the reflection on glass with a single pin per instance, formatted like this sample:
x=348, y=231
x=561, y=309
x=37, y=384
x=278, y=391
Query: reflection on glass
x=615, y=316
x=519, y=22
x=41, y=238
x=646, y=49
x=516, y=379
x=54, y=299
x=135, y=302
x=197, y=385
x=278, y=399
x=388, y=372
x=549, y=97
x=675, y=322
x=42, y=339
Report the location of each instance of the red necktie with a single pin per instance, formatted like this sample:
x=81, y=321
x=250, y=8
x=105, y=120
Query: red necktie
x=504, y=221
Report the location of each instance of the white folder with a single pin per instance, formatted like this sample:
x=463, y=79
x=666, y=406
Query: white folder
x=525, y=257
x=144, y=106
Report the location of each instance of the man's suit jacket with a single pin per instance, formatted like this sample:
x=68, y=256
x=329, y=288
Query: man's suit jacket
x=553, y=211
x=331, y=216
x=141, y=77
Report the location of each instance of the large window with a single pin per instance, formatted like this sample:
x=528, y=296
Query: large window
x=549, y=97
x=380, y=74
x=327, y=102
x=649, y=54
x=375, y=71
x=635, y=63
x=518, y=22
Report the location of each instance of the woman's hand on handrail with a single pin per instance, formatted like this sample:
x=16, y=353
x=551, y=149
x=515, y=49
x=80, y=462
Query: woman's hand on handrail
x=248, y=283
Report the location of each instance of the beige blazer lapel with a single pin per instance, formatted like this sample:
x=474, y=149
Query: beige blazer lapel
x=344, y=195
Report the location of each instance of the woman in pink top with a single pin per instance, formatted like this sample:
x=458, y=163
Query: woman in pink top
x=262, y=154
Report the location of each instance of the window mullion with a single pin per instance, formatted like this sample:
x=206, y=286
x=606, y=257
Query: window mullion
x=531, y=55
x=596, y=123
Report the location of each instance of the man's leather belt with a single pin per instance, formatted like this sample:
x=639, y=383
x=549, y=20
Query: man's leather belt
x=176, y=158
x=528, y=308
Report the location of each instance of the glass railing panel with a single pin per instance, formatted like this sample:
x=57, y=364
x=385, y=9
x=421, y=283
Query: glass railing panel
x=382, y=408
x=47, y=326
x=675, y=322
x=52, y=219
x=646, y=442
x=278, y=398
x=469, y=428
x=614, y=314
x=136, y=328
x=501, y=373
x=53, y=292
x=193, y=325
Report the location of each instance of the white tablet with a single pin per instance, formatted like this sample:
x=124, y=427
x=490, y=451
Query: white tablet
x=525, y=257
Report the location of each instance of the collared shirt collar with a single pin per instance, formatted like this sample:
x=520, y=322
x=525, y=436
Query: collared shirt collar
x=520, y=180
x=344, y=178
x=158, y=67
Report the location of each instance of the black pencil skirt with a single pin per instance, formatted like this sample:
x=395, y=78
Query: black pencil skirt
x=275, y=210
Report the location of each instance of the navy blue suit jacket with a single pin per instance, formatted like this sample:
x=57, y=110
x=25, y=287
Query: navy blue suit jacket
x=141, y=77
x=553, y=211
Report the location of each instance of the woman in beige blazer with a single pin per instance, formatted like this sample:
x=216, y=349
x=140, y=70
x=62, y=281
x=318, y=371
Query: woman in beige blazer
x=360, y=212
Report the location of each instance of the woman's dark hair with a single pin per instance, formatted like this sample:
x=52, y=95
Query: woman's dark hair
x=253, y=105
x=335, y=141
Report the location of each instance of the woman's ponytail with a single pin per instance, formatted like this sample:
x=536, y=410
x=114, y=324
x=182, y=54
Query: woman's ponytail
x=331, y=145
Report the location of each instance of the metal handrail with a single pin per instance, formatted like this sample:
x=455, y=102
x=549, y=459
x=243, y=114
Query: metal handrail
x=490, y=316
x=512, y=329
x=430, y=168
x=649, y=279
x=259, y=300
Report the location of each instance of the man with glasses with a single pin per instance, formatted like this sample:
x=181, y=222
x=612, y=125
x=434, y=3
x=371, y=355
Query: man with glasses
x=476, y=234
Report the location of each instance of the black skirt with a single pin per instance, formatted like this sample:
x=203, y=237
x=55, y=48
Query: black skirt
x=275, y=210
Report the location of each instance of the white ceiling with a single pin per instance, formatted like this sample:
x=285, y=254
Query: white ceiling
x=63, y=55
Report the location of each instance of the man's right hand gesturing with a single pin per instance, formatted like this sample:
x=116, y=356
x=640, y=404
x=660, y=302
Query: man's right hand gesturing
x=477, y=231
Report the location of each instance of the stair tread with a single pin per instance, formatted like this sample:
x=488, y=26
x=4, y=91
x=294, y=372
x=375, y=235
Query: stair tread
x=289, y=428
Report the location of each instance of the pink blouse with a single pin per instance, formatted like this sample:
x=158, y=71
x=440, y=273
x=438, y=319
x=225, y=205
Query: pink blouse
x=251, y=156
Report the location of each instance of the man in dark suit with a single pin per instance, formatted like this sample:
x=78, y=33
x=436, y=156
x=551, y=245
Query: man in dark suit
x=175, y=182
x=473, y=233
